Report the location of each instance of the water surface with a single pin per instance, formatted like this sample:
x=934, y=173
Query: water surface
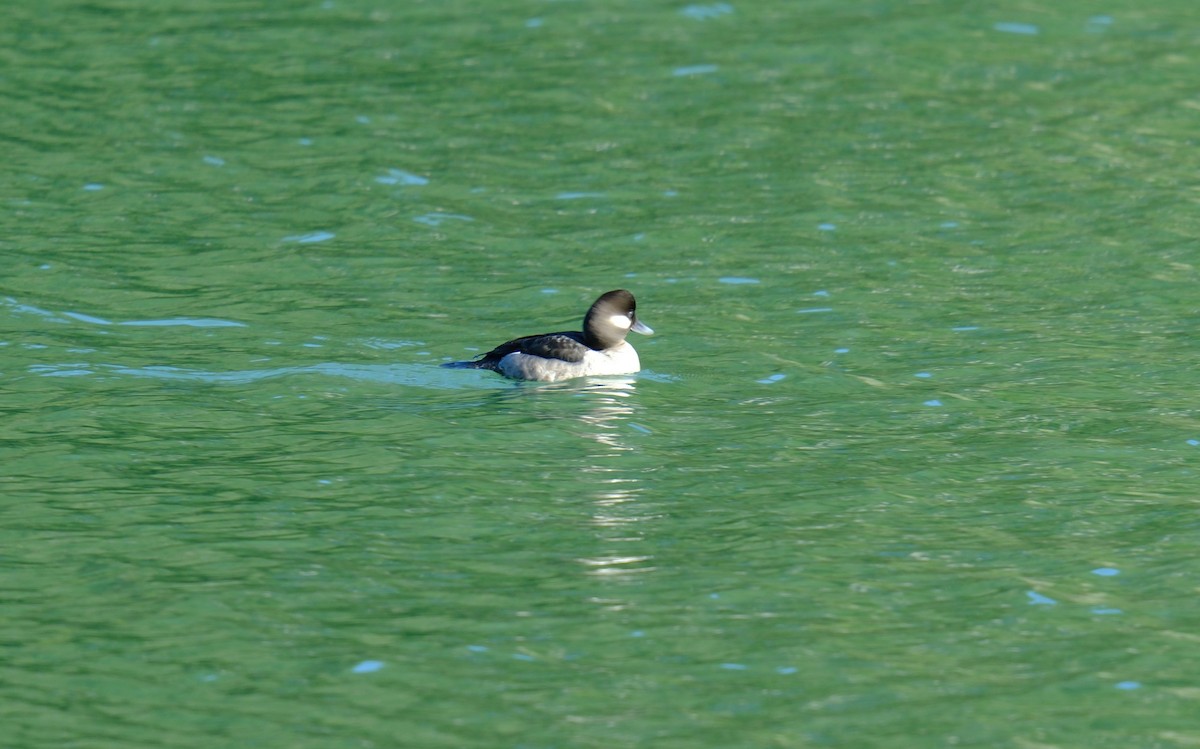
x=912, y=462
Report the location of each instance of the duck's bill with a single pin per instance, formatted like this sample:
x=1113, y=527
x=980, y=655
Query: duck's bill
x=643, y=328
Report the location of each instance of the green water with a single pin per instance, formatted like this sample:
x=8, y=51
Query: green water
x=911, y=464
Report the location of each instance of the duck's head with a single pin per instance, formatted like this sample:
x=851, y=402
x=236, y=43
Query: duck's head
x=610, y=319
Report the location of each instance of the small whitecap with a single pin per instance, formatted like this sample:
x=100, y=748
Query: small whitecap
x=841, y=351
x=734, y=666
x=689, y=70
x=738, y=280
x=1037, y=599
x=933, y=403
x=1010, y=27
x=1106, y=571
x=787, y=670
x=311, y=237
x=214, y=160
x=401, y=177
x=367, y=667
x=437, y=219
x=813, y=310
x=534, y=23
x=827, y=227
x=93, y=186
x=923, y=375
x=1128, y=685
x=772, y=379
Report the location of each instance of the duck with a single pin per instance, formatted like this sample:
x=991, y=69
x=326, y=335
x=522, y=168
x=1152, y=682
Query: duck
x=600, y=349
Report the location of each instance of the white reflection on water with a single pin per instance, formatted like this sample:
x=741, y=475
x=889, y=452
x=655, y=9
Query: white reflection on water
x=617, y=515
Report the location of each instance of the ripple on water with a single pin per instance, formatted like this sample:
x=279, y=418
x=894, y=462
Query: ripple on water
x=437, y=219
x=185, y=322
x=401, y=177
x=311, y=237
x=690, y=70
x=1010, y=27
x=705, y=12
x=67, y=316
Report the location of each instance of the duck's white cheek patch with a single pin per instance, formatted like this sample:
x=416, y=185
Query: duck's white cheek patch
x=620, y=321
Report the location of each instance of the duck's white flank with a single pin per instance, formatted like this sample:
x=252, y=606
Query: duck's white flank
x=622, y=359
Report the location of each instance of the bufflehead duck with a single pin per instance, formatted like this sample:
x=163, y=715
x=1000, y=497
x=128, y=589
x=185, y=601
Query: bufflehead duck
x=599, y=350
